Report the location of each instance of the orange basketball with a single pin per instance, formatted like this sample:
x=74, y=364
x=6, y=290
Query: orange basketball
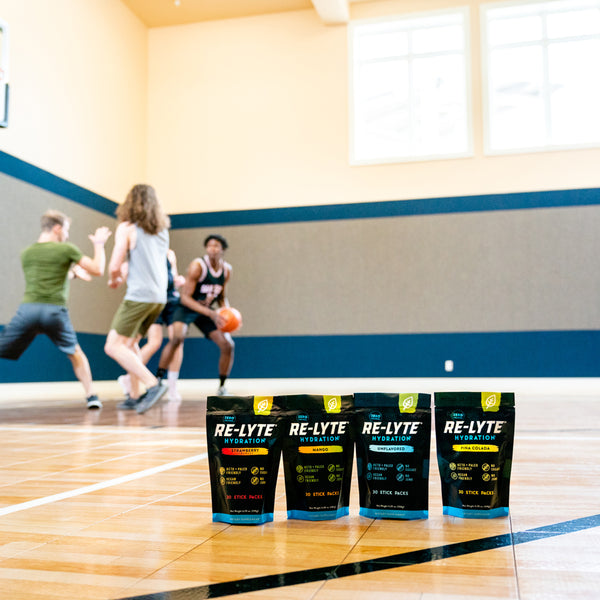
x=233, y=319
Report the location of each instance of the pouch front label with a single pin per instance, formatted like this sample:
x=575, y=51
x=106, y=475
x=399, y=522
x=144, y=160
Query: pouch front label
x=392, y=450
x=318, y=451
x=244, y=450
x=318, y=459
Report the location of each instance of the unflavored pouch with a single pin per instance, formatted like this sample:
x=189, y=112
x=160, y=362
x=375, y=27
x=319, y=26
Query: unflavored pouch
x=474, y=436
x=244, y=436
x=393, y=440
x=318, y=450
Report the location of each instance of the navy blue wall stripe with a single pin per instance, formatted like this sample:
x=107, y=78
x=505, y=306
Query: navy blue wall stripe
x=495, y=354
x=20, y=169
x=392, y=208
x=395, y=561
x=24, y=171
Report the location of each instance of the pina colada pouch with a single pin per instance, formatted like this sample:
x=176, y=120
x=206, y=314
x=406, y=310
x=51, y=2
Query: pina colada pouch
x=474, y=437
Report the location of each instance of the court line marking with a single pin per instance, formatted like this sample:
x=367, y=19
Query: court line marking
x=7, y=510
x=395, y=561
x=100, y=429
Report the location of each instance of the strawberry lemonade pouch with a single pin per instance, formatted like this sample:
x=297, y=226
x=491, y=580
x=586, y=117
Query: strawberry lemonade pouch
x=244, y=436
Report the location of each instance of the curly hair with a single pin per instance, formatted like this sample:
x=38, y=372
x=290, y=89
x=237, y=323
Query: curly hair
x=143, y=208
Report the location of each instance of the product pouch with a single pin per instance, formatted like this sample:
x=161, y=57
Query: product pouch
x=244, y=436
x=318, y=450
x=393, y=441
x=475, y=436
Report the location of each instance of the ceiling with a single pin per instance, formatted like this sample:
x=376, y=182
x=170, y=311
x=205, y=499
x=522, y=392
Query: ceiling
x=163, y=13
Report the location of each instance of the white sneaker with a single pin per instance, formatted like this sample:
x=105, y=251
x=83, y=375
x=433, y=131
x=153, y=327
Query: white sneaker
x=174, y=395
x=125, y=384
x=222, y=391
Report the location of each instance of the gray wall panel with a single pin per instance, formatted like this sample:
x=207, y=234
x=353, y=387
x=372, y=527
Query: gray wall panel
x=514, y=270
x=520, y=270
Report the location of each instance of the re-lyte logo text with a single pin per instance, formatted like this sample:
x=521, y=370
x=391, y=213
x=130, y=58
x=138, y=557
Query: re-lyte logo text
x=319, y=428
x=474, y=427
x=245, y=430
x=391, y=428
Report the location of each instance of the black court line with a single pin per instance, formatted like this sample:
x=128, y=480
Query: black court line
x=405, y=559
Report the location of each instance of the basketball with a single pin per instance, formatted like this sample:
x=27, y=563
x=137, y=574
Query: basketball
x=233, y=319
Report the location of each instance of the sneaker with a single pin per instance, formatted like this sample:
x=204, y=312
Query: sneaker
x=125, y=383
x=128, y=404
x=93, y=402
x=174, y=396
x=150, y=398
x=222, y=391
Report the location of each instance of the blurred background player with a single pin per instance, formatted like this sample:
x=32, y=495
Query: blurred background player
x=141, y=240
x=48, y=265
x=155, y=333
x=204, y=288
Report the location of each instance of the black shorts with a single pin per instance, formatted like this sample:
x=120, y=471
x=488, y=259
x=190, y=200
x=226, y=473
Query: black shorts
x=33, y=318
x=166, y=316
x=184, y=315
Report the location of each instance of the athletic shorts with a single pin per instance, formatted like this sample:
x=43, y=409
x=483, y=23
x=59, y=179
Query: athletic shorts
x=134, y=318
x=166, y=316
x=185, y=315
x=33, y=318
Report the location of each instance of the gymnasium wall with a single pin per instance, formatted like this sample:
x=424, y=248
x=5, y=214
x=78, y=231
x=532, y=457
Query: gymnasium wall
x=339, y=271
x=254, y=113
x=502, y=285
x=78, y=80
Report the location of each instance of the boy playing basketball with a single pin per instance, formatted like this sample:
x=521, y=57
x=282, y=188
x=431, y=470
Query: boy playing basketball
x=47, y=265
x=204, y=288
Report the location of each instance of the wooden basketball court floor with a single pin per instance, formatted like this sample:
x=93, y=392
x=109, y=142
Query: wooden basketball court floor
x=110, y=505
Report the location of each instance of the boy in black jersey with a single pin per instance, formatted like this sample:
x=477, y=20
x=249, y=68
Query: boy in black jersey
x=204, y=288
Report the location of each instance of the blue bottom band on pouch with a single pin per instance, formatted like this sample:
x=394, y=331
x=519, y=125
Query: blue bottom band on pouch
x=242, y=519
x=325, y=515
x=465, y=513
x=378, y=513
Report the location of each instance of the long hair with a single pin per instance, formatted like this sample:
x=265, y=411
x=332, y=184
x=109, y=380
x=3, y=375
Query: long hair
x=143, y=208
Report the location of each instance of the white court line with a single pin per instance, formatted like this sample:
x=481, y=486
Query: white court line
x=99, y=429
x=99, y=486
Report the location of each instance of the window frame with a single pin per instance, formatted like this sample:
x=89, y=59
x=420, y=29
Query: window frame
x=488, y=150
x=469, y=150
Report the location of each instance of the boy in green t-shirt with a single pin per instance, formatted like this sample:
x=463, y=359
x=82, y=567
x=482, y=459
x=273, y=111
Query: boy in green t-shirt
x=47, y=265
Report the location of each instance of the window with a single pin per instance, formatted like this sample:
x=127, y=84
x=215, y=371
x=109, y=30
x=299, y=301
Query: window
x=409, y=88
x=542, y=89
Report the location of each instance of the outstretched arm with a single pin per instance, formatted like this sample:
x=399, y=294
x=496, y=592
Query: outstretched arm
x=95, y=266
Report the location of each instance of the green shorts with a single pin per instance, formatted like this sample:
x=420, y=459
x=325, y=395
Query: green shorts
x=134, y=318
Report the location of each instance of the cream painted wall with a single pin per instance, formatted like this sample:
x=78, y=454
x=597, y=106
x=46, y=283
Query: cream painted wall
x=253, y=113
x=78, y=78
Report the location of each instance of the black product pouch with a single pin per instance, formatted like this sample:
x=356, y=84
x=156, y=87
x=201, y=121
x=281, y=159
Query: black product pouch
x=393, y=441
x=318, y=450
x=475, y=435
x=244, y=436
